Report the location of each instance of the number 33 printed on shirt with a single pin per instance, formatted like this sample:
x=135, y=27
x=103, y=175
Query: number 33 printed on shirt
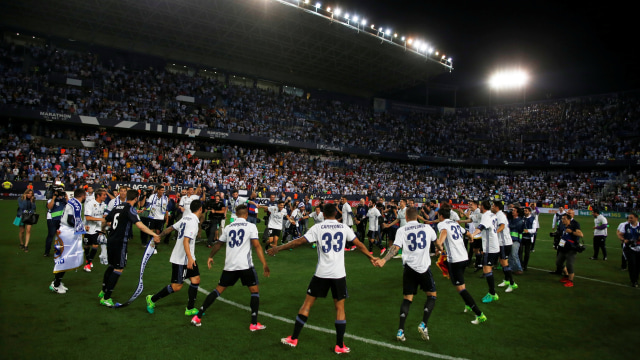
x=327, y=245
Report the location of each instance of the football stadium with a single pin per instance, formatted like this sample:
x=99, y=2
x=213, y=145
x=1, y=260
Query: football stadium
x=159, y=157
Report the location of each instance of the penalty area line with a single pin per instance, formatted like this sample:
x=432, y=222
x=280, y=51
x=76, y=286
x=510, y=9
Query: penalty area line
x=329, y=331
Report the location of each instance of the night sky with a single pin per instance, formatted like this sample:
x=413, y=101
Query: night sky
x=568, y=50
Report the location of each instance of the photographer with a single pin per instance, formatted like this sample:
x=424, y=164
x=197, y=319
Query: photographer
x=56, y=201
x=568, y=248
x=629, y=234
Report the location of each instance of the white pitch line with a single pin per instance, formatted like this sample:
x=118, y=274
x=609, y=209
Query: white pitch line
x=329, y=331
x=586, y=278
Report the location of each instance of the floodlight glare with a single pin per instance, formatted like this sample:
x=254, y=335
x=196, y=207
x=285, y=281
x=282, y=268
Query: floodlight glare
x=306, y=1
x=338, y=11
x=388, y=32
x=364, y=22
x=410, y=41
x=346, y=16
x=508, y=79
x=317, y=4
x=372, y=26
x=355, y=18
x=402, y=38
x=395, y=35
x=329, y=9
x=430, y=50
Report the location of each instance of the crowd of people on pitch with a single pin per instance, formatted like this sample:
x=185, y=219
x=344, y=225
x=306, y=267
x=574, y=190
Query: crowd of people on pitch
x=573, y=129
x=127, y=158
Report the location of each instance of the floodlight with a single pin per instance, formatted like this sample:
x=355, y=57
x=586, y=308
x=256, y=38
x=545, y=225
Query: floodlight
x=338, y=11
x=317, y=4
x=372, y=26
x=430, y=50
x=388, y=32
x=508, y=79
x=410, y=41
x=355, y=18
x=346, y=16
x=450, y=59
x=364, y=22
x=402, y=38
x=306, y=2
x=329, y=9
x=436, y=53
x=443, y=56
x=395, y=35
x=380, y=30
x=423, y=48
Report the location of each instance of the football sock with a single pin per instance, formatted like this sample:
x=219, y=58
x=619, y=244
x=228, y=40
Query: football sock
x=193, y=293
x=255, y=305
x=86, y=253
x=428, y=308
x=208, y=301
x=162, y=293
x=404, y=311
x=57, y=279
x=111, y=283
x=299, y=324
x=468, y=300
x=508, y=274
x=92, y=254
x=478, y=259
x=341, y=327
x=105, y=278
x=491, y=282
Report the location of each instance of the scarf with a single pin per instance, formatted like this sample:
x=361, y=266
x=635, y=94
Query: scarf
x=77, y=217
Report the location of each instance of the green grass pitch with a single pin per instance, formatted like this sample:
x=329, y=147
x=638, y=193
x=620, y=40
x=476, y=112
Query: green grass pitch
x=597, y=319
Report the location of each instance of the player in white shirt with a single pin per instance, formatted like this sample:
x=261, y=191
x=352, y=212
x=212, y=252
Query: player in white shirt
x=157, y=205
x=506, y=244
x=94, y=215
x=600, y=225
x=347, y=219
x=236, y=201
x=120, y=199
x=415, y=239
x=90, y=194
x=373, y=215
x=451, y=239
x=183, y=260
x=317, y=215
x=239, y=237
x=277, y=215
x=474, y=215
x=490, y=247
x=331, y=237
x=186, y=200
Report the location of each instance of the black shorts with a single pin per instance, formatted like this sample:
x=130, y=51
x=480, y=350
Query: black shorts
x=117, y=253
x=476, y=244
x=373, y=234
x=505, y=251
x=391, y=232
x=91, y=239
x=274, y=232
x=180, y=272
x=490, y=259
x=411, y=280
x=249, y=277
x=155, y=224
x=456, y=272
x=319, y=287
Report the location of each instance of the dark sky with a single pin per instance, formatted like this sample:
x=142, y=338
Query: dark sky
x=568, y=50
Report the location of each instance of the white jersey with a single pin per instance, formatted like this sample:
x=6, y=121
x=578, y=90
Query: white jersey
x=276, y=217
x=296, y=215
x=346, y=217
x=68, y=211
x=187, y=228
x=90, y=197
x=504, y=237
x=598, y=221
x=331, y=237
x=373, y=214
x=454, y=243
x=475, y=217
x=317, y=218
x=157, y=206
x=489, y=234
x=96, y=210
x=238, y=236
x=415, y=241
x=115, y=202
x=402, y=216
x=234, y=203
x=186, y=201
x=454, y=216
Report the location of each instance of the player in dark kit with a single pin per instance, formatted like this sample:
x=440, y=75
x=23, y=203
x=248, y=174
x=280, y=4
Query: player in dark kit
x=120, y=218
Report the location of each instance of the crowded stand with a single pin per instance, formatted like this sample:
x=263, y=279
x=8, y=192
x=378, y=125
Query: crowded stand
x=125, y=157
x=591, y=128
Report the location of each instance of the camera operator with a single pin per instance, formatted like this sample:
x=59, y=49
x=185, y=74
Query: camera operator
x=568, y=248
x=56, y=201
x=217, y=212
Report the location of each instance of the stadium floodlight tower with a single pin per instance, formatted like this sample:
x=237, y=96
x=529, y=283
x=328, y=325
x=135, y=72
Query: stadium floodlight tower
x=509, y=80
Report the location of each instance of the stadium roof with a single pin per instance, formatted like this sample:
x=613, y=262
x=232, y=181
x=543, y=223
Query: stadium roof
x=261, y=38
